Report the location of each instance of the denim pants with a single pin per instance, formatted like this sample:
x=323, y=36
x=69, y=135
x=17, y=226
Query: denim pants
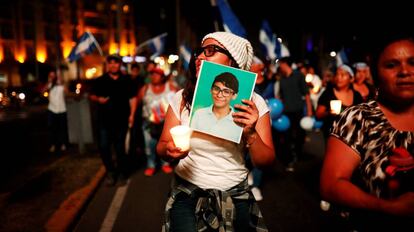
x=150, y=148
x=115, y=136
x=183, y=217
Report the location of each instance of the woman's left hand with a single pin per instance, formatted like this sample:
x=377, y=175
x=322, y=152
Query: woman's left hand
x=247, y=116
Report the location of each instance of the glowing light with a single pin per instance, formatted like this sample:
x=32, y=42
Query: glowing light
x=67, y=47
x=181, y=136
x=20, y=58
x=21, y=96
x=336, y=106
x=41, y=56
x=309, y=77
x=124, y=49
x=172, y=58
x=90, y=73
x=1, y=53
x=78, y=88
x=46, y=94
x=113, y=48
x=125, y=8
x=332, y=54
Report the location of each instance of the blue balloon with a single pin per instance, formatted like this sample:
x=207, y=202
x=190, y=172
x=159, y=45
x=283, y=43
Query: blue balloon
x=318, y=124
x=276, y=108
x=281, y=124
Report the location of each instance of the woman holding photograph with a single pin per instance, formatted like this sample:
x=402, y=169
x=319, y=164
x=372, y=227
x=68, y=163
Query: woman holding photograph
x=210, y=187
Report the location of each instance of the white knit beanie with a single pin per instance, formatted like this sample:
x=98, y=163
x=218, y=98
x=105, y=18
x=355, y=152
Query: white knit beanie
x=239, y=48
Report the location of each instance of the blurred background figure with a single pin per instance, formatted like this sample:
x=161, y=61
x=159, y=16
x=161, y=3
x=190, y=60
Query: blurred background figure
x=294, y=94
x=369, y=160
x=114, y=94
x=264, y=88
x=136, y=142
x=57, y=112
x=154, y=97
x=340, y=90
x=363, y=82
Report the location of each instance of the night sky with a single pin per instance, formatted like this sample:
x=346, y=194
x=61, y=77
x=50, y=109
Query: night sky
x=339, y=24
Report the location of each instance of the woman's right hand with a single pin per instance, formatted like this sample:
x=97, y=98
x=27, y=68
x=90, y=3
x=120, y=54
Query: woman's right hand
x=174, y=152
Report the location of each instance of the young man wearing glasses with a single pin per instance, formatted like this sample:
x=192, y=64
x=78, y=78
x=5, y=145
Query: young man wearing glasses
x=217, y=119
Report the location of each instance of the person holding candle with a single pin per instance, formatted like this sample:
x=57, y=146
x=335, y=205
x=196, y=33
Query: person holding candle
x=210, y=188
x=340, y=93
x=368, y=164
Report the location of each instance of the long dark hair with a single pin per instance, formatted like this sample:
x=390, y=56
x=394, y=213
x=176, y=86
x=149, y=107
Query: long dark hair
x=188, y=92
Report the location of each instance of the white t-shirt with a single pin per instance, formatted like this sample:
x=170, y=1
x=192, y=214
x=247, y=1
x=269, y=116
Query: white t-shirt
x=205, y=120
x=212, y=163
x=57, y=99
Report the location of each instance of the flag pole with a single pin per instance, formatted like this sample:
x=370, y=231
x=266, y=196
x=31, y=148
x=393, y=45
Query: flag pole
x=216, y=14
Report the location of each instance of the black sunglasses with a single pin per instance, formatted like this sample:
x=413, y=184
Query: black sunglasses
x=210, y=50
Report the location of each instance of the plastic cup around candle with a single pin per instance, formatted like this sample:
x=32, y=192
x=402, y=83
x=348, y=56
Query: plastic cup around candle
x=336, y=106
x=181, y=136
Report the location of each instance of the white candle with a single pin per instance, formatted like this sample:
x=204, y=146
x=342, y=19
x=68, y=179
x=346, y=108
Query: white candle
x=336, y=106
x=181, y=136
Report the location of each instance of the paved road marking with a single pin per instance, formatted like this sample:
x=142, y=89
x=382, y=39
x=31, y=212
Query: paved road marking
x=112, y=214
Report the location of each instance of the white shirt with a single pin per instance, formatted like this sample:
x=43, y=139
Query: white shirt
x=212, y=163
x=57, y=99
x=204, y=120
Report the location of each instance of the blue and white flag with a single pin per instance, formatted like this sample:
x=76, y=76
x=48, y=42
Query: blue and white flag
x=185, y=54
x=230, y=21
x=156, y=44
x=86, y=44
x=341, y=58
x=272, y=47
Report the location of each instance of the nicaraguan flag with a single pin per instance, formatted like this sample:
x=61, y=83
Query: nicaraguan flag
x=185, y=54
x=230, y=21
x=86, y=44
x=156, y=44
x=341, y=58
x=284, y=51
x=268, y=40
x=272, y=47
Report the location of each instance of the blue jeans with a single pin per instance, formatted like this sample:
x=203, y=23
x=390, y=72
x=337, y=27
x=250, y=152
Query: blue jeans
x=113, y=136
x=182, y=214
x=256, y=172
x=150, y=148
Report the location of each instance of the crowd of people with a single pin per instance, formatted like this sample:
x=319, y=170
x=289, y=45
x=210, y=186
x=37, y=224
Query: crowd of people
x=368, y=169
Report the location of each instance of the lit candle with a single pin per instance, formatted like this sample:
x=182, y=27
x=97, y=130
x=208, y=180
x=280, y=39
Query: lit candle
x=181, y=136
x=336, y=106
